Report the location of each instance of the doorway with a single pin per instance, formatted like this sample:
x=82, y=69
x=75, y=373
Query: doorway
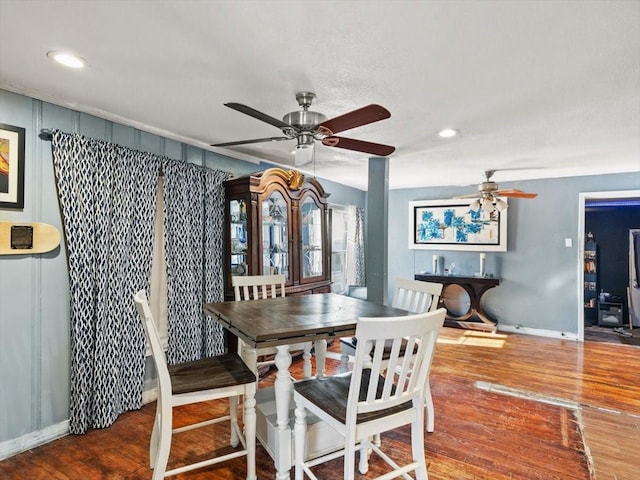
x=590, y=200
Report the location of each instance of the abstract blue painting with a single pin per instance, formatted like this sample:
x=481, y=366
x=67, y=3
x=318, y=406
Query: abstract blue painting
x=453, y=225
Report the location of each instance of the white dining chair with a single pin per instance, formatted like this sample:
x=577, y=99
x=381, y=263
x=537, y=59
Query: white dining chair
x=414, y=296
x=252, y=287
x=224, y=376
x=376, y=396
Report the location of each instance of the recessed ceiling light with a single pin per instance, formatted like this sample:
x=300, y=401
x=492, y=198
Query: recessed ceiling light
x=67, y=59
x=448, y=133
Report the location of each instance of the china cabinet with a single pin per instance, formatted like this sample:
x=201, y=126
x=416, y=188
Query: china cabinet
x=277, y=222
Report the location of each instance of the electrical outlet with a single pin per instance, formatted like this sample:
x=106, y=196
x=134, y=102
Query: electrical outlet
x=568, y=242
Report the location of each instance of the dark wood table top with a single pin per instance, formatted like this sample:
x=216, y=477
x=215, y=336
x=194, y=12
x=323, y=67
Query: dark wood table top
x=285, y=320
x=430, y=277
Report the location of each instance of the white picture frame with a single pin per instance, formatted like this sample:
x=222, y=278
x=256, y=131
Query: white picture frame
x=452, y=225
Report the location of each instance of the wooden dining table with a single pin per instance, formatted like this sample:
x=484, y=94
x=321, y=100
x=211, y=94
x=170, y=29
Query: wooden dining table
x=280, y=322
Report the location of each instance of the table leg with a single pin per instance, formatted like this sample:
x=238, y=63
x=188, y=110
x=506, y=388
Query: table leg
x=283, y=387
x=321, y=355
x=250, y=357
x=475, y=318
x=306, y=360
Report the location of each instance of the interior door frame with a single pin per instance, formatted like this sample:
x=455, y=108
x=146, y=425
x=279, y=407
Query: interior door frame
x=582, y=199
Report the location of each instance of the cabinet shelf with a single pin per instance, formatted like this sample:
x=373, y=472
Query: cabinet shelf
x=590, y=279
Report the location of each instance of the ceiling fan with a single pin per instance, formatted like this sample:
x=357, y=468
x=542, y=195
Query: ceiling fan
x=488, y=195
x=306, y=126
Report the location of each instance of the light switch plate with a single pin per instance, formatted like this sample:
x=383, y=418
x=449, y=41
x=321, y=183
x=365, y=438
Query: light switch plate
x=568, y=242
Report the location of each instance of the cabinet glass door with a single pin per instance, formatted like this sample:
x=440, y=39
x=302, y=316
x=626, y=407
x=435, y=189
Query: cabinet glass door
x=275, y=236
x=238, y=228
x=312, y=254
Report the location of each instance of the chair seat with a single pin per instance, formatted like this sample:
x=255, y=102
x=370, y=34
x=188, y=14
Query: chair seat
x=331, y=395
x=349, y=341
x=209, y=373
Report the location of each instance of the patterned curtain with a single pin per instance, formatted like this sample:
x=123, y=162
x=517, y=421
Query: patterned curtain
x=355, y=272
x=194, y=224
x=107, y=197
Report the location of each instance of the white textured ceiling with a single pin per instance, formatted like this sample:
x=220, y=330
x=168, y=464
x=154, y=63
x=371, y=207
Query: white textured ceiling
x=545, y=88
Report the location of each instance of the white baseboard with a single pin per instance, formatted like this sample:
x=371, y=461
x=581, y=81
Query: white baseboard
x=150, y=395
x=33, y=439
x=537, y=331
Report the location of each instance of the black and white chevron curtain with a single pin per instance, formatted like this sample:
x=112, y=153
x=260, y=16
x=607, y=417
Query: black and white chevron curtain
x=107, y=198
x=194, y=226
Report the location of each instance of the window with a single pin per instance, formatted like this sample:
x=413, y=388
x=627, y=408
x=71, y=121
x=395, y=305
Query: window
x=339, y=224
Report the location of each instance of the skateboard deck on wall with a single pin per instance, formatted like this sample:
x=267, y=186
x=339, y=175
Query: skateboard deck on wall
x=21, y=238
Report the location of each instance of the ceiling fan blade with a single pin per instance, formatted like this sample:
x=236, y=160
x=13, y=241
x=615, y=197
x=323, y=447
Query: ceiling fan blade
x=514, y=193
x=255, y=140
x=361, y=116
x=359, y=146
x=263, y=117
x=469, y=195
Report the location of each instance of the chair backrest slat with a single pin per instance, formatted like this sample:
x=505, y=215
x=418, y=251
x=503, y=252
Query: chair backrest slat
x=416, y=296
x=252, y=287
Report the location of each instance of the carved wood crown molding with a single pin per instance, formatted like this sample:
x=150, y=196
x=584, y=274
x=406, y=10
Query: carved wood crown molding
x=295, y=179
x=292, y=180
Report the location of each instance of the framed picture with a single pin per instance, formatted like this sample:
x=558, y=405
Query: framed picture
x=11, y=166
x=452, y=225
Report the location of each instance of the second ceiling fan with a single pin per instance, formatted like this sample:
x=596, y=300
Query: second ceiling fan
x=488, y=195
x=306, y=126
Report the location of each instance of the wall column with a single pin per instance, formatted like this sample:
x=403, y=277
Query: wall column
x=377, y=217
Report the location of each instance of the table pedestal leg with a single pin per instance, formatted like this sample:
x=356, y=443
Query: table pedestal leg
x=321, y=355
x=283, y=387
x=306, y=360
x=250, y=357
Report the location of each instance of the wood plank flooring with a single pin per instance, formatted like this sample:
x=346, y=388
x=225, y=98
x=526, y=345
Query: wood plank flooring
x=612, y=439
x=602, y=380
x=547, y=409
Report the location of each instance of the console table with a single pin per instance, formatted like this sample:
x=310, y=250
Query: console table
x=461, y=296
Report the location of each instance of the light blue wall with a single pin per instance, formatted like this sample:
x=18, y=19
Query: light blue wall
x=34, y=295
x=539, y=288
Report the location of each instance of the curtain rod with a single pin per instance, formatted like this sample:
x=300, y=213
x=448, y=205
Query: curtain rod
x=45, y=134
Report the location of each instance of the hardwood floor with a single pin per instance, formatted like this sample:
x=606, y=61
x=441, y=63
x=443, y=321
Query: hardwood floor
x=600, y=381
x=507, y=406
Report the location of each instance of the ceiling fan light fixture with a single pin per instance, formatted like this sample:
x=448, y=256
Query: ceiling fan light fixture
x=448, y=133
x=67, y=59
x=487, y=205
x=304, y=140
x=303, y=154
x=501, y=205
x=475, y=205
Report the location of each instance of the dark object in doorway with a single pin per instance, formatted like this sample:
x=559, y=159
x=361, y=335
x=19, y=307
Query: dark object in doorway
x=631, y=337
x=609, y=335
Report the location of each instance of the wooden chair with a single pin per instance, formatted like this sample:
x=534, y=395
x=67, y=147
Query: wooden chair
x=416, y=297
x=365, y=402
x=224, y=376
x=252, y=287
